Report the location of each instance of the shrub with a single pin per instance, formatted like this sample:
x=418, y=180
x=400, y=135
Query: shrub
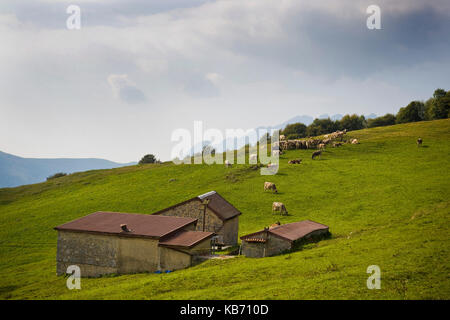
x=414, y=111
x=148, y=158
x=56, y=175
x=386, y=120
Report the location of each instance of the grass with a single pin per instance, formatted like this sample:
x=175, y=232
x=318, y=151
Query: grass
x=386, y=202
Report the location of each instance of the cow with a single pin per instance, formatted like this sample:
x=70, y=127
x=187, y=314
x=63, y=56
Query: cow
x=282, y=137
x=355, y=141
x=227, y=164
x=337, y=144
x=419, y=142
x=295, y=161
x=270, y=186
x=316, y=154
x=279, y=207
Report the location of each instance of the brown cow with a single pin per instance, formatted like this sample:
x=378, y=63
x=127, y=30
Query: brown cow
x=270, y=186
x=279, y=207
x=419, y=142
x=316, y=154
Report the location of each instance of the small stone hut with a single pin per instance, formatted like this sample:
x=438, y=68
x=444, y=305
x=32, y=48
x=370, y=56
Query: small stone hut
x=220, y=216
x=276, y=239
x=112, y=242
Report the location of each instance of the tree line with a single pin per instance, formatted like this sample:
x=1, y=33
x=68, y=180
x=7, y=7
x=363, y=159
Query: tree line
x=436, y=107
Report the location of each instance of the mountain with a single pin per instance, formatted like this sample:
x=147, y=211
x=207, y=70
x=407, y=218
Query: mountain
x=16, y=171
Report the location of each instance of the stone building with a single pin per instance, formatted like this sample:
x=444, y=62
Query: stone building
x=112, y=242
x=279, y=238
x=220, y=216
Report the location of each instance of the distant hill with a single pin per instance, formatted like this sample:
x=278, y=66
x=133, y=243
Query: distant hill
x=16, y=171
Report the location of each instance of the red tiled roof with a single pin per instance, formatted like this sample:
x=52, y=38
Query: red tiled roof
x=255, y=240
x=296, y=230
x=140, y=225
x=291, y=231
x=185, y=238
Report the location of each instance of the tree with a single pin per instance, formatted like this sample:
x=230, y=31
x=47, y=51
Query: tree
x=294, y=131
x=148, y=158
x=414, y=111
x=438, y=107
x=322, y=126
x=386, y=120
x=352, y=122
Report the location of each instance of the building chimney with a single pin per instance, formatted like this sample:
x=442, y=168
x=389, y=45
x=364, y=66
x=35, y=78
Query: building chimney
x=124, y=228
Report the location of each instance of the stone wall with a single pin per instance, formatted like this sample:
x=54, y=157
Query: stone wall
x=194, y=209
x=253, y=249
x=174, y=259
x=276, y=245
x=87, y=250
x=138, y=255
x=230, y=231
x=98, y=254
x=273, y=245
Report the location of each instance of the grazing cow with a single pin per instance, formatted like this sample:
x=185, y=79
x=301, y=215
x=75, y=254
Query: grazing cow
x=279, y=207
x=253, y=157
x=227, y=164
x=355, y=141
x=419, y=142
x=270, y=186
x=321, y=146
x=316, y=154
x=295, y=161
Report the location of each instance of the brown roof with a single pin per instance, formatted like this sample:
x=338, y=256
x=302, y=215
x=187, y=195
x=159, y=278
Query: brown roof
x=185, y=238
x=291, y=231
x=221, y=207
x=140, y=225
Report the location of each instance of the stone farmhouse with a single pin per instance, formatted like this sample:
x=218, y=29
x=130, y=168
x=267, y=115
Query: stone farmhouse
x=279, y=238
x=112, y=242
x=214, y=214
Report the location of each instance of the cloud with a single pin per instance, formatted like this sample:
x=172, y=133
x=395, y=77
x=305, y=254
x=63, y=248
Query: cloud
x=262, y=61
x=124, y=89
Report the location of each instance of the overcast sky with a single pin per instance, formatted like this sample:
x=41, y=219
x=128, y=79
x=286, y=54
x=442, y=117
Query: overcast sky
x=137, y=70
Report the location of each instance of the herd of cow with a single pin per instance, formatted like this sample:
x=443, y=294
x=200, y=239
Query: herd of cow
x=314, y=143
x=279, y=207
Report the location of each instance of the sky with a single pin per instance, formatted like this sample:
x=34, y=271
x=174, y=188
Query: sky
x=138, y=70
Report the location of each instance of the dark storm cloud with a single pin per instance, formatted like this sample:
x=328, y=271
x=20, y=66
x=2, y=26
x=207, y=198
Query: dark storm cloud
x=52, y=14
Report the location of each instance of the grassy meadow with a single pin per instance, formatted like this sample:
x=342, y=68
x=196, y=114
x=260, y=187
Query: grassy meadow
x=386, y=201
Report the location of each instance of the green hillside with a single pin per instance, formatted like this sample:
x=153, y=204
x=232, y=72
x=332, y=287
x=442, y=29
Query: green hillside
x=386, y=202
